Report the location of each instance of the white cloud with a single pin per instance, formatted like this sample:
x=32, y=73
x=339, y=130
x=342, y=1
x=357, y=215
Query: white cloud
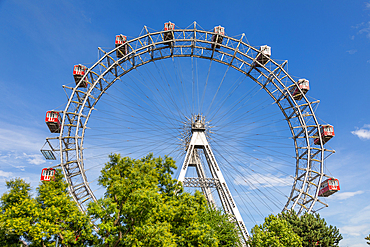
x=263, y=180
x=365, y=30
x=363, y=133
x=367, y=5
x=5, y=174
x=351, y=52
x=355, y=230
x=20, y=147
x=346, y=195
x=357, y=26
x=361, y=217
x=356, y=227
x=35, y=159
x=18, y=160
x=15, y=140
x=20, y=167
x=15, y=137
x=356, y=245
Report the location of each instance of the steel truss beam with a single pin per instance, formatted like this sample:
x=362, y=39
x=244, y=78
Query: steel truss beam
x=199, y=143
x=195, y=42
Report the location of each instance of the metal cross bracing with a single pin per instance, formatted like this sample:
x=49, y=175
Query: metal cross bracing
x=199, y=144
x=194, y=42
x=193, y=159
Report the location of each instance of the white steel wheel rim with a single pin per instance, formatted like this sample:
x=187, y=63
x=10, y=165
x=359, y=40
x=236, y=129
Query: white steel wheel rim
x=195, y=43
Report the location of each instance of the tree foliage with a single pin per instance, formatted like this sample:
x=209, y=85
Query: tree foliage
x=275, y=231
x=312, y=229
x=40, y=221
x=15, y=217
x=368, y=238
x=144, y=206
x=285, y=228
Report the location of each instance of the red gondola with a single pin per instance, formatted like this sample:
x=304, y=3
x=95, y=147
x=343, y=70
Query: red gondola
x=304, y=85
x=327, y=132
x=169, y=27
x=47, y=174
x=329, y=187
x=263, y=56
x=217, y=38
x=79, y=71
x=123, y=50
x=53, y=121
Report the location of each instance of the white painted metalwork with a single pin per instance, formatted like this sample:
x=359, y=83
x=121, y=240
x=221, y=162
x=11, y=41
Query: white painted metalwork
x=270, y=75
x=199, y=144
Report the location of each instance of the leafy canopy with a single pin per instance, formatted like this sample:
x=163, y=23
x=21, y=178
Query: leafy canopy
x=144, y=206
x=275, y=231
x=289, y=229
x=15, y=217
x=312, y=229
x=40, y=221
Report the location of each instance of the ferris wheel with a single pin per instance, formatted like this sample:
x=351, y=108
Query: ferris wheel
x=237, y=123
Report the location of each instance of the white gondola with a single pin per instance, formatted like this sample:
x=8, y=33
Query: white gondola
x=121, y=43
x=304, y=85
x=54, y=121
x=327, y=132
x=168, y=36
x=263, y=56
x=218, y=36
x=79, y=71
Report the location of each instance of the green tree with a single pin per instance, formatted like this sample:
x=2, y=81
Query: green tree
x=144, y=206
x=16, y=212
x=39, y=221
x=312, y=229
x=275, y=231
x=368, y=238
x=59, y=216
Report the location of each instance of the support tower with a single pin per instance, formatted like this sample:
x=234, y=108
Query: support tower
x=197, y=146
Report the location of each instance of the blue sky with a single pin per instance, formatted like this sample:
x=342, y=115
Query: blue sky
x=327, y=42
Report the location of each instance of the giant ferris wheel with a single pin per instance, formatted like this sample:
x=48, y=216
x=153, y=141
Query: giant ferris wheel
x=241, y=128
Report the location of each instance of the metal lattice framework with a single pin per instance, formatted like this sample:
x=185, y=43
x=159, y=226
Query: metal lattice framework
x=194, y=42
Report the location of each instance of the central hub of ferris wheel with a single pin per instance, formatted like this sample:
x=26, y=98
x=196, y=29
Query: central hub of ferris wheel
x=198, y=123
x=197, y=145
